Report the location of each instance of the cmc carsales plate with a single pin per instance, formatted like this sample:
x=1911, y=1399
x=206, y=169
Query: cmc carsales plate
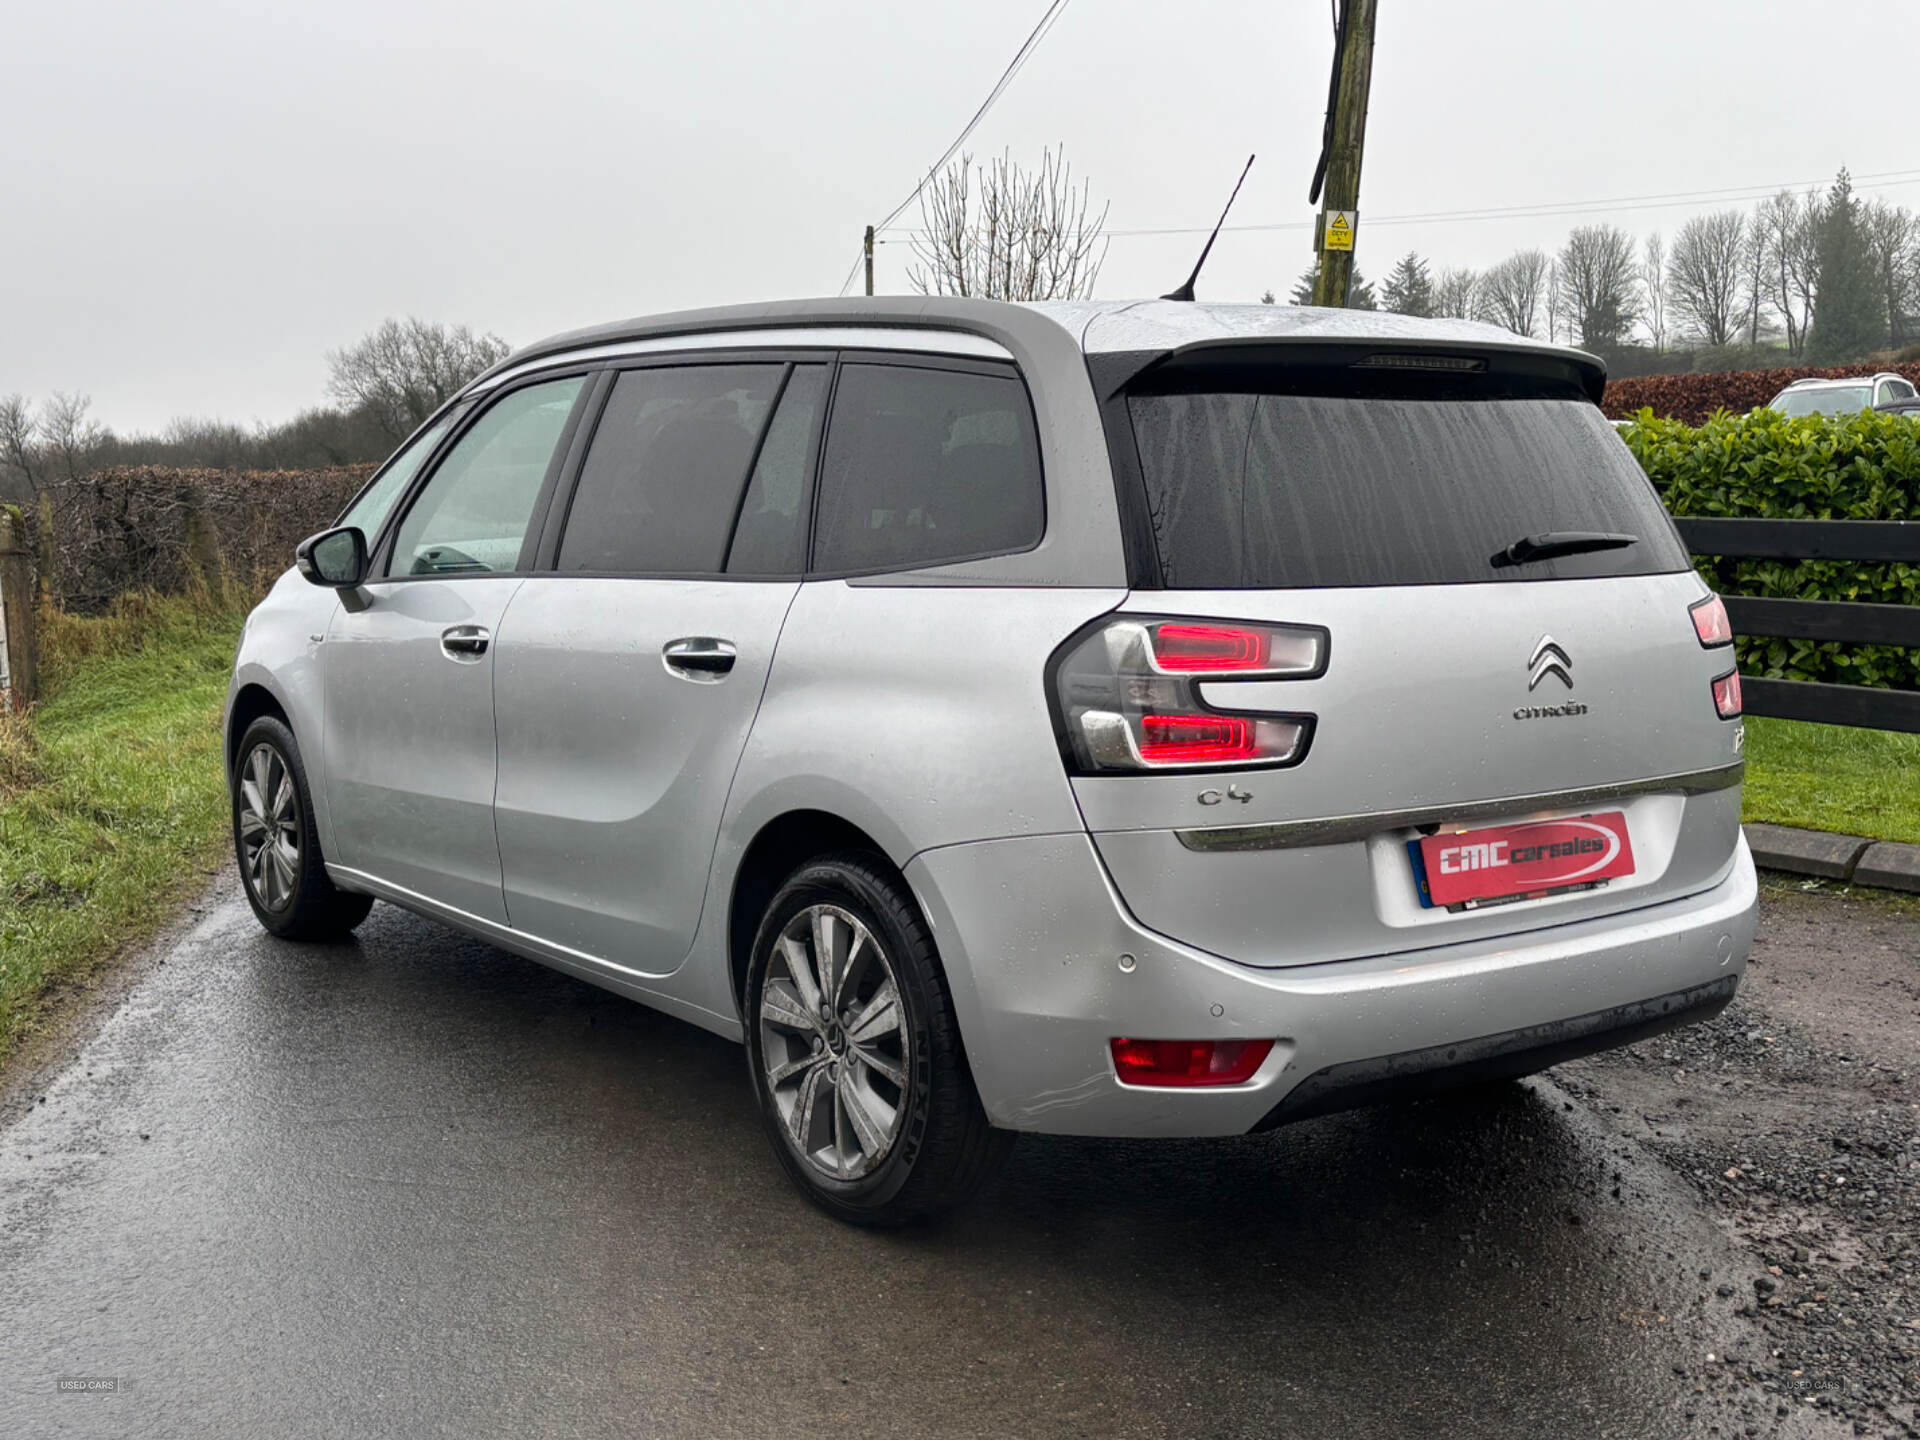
x=1503, y=861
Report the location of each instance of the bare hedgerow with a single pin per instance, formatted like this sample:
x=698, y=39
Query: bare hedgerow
x=146, y=528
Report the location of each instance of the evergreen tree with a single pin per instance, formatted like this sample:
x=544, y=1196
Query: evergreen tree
x=1360, y=294
x=1409, y=289
x=1848, y=318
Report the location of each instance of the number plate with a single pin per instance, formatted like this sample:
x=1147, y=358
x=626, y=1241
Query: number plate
x=1513, y=862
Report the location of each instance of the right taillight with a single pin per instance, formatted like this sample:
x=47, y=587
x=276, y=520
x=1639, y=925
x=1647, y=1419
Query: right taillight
x=1726, y=695
x=1127, y=694
x=1710, y=622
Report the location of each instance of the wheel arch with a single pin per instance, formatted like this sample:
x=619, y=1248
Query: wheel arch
x=251, y=701
x=778, y=848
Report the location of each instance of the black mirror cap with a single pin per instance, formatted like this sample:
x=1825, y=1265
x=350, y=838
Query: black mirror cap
x=336, y=558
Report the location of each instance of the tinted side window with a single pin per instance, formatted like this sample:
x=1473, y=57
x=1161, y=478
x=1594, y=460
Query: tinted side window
x=473, y=513
x=663, y=477
x=771, y=538
x=370, y=507
x=924, y=466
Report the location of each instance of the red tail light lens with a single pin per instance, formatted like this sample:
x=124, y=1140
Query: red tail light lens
x=1127, y=694
x=1211, y=649
x=1710, y=622
x=1197, y=739
x=1726, y=695
x=1188, y=1063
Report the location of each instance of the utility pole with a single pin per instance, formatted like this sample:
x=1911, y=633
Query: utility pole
x=869, y=260
x=1346, y=134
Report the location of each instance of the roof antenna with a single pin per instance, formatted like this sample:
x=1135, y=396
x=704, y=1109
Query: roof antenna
x=1185, y=292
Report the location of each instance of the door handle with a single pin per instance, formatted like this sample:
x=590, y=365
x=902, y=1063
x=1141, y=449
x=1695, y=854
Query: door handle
x=699, y=657
x=464, y=642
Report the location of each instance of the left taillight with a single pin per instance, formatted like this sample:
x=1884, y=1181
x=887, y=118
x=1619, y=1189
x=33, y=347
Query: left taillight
x=1710, y=622
x=1127, y=697
x=1726, y=696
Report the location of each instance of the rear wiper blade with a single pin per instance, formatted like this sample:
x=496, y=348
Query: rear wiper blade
x=1555, y=543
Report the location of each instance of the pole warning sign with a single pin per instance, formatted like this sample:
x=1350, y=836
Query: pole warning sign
x=1340, y=227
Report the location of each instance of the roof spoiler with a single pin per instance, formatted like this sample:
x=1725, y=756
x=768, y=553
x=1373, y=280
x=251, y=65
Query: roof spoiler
x=1502, y=369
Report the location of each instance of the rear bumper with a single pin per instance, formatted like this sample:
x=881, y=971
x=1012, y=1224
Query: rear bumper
x=1033, y=935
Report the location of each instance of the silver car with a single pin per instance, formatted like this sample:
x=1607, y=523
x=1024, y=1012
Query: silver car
x=1151, y=719
x=1841, y=397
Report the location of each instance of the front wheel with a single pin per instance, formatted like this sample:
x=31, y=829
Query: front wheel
x=277, y=845
x=855, y=1054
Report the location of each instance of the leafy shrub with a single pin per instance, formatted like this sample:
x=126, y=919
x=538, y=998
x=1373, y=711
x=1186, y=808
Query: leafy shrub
x=1694, y=398
x=1763, y=465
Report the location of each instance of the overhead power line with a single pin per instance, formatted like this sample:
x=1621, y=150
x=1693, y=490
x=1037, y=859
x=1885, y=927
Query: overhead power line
x=1879, y=180
x=1039, y=33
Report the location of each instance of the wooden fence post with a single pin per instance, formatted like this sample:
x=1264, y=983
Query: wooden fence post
x=19, y=652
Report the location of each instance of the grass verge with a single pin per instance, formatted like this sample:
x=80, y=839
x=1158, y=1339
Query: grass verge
x=1833, y=777
x=112, y=803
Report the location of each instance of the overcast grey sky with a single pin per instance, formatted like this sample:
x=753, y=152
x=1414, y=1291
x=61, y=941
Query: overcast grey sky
x=202, y=197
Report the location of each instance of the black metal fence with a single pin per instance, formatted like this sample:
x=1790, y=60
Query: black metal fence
x=1845, y=622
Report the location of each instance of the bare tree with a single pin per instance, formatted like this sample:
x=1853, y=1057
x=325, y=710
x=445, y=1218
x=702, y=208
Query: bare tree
x=407, y=369
x=1793, y=264
x=1756, y=252
x=1705, y=285
x=1597, y=284
x=20, y=446
x=70, y=438
x=1510, y=292
x=1653, y=289
x=1025, y=234
x=1454, y=294
x=1891, y=235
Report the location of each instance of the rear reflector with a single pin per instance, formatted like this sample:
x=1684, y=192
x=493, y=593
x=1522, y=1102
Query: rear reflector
x=1710, y=622
x=1185, y=1063
x=1726, y=695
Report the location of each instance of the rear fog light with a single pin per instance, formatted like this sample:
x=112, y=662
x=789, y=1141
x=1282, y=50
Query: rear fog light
x=1188, y=1063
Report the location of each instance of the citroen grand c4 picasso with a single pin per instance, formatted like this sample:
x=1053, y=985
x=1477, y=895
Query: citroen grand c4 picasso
x=1154, y=719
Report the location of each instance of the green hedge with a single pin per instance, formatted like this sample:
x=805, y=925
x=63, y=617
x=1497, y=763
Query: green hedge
x=1857, y=467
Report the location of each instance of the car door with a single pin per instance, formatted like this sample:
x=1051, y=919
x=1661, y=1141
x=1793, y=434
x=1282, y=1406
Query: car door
x=631, y=666
x=409, y=661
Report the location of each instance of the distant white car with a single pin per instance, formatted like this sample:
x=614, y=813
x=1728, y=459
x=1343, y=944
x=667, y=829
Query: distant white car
x=1841, y=397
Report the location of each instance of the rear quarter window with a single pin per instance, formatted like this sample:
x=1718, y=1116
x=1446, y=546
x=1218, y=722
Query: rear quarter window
x=1258, y=491
x=927, y=465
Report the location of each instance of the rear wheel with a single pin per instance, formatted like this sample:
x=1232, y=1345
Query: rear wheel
x=278, y=848
x=854, y=1052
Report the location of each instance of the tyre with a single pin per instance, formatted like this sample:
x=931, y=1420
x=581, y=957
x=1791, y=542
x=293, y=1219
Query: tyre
x=277, y=846
x=854, y=1052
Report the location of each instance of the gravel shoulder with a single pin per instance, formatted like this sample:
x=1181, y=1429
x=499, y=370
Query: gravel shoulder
x=1796, y=1117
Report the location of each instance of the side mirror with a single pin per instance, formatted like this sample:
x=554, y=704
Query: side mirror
x=333, y=557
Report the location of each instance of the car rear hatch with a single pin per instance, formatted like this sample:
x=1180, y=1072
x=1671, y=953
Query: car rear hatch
x=1391, y=598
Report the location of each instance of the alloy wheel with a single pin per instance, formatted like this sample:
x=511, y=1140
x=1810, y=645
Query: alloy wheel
x=269, y=828
x=834, y=1046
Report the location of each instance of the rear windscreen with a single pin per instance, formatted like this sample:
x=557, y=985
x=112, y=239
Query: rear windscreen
x=1252, y=491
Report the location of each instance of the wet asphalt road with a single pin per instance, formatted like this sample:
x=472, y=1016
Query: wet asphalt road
x=414, y=1186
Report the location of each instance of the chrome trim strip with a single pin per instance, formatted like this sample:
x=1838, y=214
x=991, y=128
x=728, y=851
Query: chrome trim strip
x=906, y=338
x=1342, y=829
